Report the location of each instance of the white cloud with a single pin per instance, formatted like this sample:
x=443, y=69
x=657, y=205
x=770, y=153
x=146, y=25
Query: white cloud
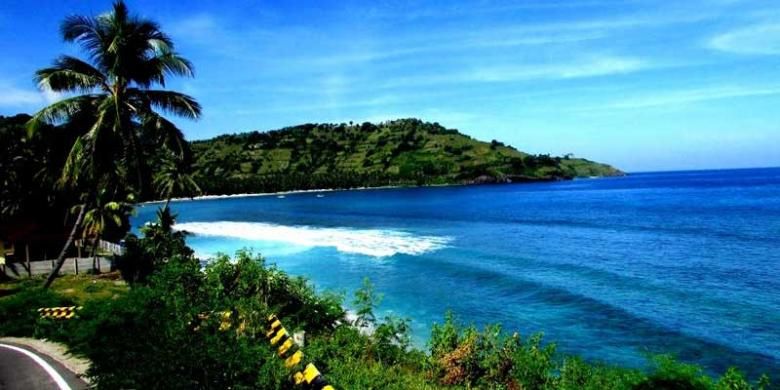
x=593, y=66
x=294, y=47
x=760, y=39
x=11, y=96
x=681, y=97
x=604, y=66
x=201, y=26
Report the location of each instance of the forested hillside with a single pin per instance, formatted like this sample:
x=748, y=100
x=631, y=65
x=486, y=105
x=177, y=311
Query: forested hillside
x=399, y=152
x=310, y=156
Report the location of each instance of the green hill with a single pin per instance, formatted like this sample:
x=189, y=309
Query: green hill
x=399, y=152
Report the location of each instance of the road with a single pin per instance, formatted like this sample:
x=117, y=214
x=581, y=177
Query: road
x=24, y=368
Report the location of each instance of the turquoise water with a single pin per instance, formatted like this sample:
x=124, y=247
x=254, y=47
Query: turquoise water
x=611, y=269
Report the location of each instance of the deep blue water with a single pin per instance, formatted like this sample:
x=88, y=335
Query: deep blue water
x=611, y=269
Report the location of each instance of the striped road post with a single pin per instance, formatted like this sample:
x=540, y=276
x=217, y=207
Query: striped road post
x=59, y=313
x=288, y=350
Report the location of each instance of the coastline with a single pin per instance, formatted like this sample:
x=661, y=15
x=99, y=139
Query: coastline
x=320, y=190
x=294, y=192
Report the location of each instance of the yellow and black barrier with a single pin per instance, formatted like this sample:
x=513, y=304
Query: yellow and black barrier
x=225, y=321
x=288, y=350
x=59, y=313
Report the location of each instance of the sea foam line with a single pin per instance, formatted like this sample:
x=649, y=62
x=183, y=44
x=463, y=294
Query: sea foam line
x=369, y=242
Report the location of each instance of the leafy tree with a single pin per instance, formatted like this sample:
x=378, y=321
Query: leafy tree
x=392, y=339
x=366, y=301
x=159, y=245
x=128, y=56
x=29, y=197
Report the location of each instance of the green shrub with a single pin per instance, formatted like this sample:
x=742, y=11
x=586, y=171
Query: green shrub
x=576, y=374
x=671, y=374
x=152, y=337
x=19, y=311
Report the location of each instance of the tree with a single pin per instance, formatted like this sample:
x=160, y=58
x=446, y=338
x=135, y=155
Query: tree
x=159, y=245
x=366, y=301
x=119, y=127
x=103, y=215
x=173, y=178
x=95, y=216
x=61, y=256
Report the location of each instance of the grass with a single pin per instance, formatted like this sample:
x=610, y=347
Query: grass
x=77, y=288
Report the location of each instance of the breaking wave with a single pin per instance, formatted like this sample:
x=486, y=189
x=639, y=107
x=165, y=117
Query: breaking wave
x=369, y=242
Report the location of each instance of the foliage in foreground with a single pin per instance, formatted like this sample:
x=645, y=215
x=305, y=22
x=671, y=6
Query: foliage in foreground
x=153, y=337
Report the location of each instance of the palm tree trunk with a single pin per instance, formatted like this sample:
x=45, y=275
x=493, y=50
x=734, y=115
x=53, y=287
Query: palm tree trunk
x=61, y=257
x=137, y=159
x=94, y=256
x=167, y=202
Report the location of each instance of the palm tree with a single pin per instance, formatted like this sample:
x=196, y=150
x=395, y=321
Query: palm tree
x=95, y=216
x=102, y=215
x=116, y=101
x=174, y=179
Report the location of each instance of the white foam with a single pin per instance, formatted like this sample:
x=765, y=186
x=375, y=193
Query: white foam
x=369, y=242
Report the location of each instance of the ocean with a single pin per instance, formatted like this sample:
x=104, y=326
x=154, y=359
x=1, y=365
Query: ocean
x=612, y=269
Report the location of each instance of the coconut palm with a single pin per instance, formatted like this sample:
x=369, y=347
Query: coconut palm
x=174, y=179
x=104, y=214
x=116, y=94
x=96, y=216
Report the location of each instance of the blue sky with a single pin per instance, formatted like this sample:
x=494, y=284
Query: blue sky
x=644, y=85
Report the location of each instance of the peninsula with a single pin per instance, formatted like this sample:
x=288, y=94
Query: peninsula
x=351, y=155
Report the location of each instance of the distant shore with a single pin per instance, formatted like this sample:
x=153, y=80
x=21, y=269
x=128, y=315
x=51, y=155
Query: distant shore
x=281, y=193
x=294, y=192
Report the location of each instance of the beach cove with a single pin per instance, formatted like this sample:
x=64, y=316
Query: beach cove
x=611, y=269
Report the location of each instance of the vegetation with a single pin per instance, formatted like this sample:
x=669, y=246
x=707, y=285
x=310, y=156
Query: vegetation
x=400, y=152
x=30, y=166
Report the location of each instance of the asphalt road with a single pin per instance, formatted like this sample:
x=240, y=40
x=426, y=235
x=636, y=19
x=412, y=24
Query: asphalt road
x=24, y=368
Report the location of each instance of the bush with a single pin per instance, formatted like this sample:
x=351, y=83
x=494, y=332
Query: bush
x=670, y=374
x=153, y=336
x=159, y=245
x=19, y=311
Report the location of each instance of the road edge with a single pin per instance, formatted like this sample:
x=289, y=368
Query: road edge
x=57, y=352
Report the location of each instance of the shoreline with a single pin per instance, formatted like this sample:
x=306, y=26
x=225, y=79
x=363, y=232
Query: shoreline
x=320, y=190
x=293, y=192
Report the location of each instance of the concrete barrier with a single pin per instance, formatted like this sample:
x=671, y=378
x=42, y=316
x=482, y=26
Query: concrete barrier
x=18, y=270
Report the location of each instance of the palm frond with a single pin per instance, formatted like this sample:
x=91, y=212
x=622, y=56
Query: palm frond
x=168, y=101
x=89, y=33
x=76, y=163
x=76, y=27
x=62, y=111
x=120, y=13
x=170, y=63
x=174, y=179
x=70, y=74
x=155, y=69
x=170, y=135
x=153, y=35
